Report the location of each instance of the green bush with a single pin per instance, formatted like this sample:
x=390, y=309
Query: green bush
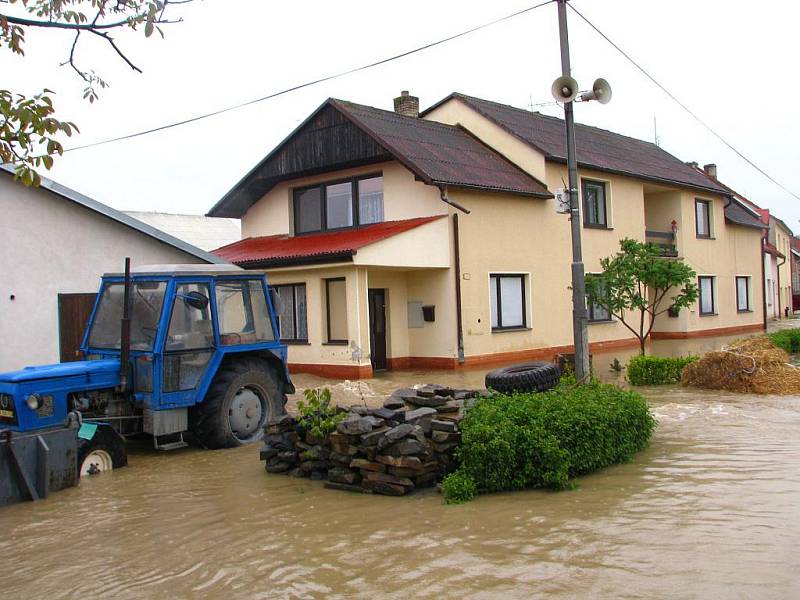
x=458, y=488
x=316, y=413
x=654, y=370
x=787, y=339
x=544, y=440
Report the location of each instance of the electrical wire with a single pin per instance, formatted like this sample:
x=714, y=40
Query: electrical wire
x=682, y=105
x=315, y=81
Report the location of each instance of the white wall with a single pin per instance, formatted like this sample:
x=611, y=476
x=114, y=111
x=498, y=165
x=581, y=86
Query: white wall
x=48, y=246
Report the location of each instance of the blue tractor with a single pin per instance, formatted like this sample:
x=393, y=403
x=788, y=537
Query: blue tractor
x=168, y=350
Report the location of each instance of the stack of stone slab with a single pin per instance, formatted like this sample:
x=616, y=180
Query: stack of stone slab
x=408, y=443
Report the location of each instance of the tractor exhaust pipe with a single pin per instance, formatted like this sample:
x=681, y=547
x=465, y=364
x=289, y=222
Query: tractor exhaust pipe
x=125, y=334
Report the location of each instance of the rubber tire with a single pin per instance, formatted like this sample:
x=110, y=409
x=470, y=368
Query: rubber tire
x=526, y=377
x=105, y=438
x=209, y=419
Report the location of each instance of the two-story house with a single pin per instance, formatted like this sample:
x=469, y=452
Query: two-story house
x=396, y=239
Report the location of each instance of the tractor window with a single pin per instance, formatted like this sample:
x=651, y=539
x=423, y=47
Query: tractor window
x=242, y=312
x=190, y=326
x=146, y=298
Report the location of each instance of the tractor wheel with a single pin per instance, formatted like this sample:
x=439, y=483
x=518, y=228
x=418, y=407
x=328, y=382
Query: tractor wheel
x=244, y=395
x=104, y=452
x=529, y=377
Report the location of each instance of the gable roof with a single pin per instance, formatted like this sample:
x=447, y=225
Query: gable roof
x=334, y=246
x=596, y=148
x=66, y=193
x=740, y=210
x=342, y=134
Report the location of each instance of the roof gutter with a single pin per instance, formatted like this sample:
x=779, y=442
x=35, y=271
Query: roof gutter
x=453, y=203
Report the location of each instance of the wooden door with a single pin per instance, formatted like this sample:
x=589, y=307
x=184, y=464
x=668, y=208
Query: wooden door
x=377, y=329
x=74, y=311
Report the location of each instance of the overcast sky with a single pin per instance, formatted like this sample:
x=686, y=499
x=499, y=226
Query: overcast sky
x=733, y=62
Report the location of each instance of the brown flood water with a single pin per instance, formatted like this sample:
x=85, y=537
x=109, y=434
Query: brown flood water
x=710, y=510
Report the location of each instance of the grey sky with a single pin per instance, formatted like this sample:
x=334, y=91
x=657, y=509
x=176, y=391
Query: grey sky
x=732, y=62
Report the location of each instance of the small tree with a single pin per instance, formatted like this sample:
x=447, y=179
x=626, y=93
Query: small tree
x=638, y=278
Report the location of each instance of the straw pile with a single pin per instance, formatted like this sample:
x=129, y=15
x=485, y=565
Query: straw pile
x=752, y=365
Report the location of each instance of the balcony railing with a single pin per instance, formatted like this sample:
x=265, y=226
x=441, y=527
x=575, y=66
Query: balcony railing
x=664, y=240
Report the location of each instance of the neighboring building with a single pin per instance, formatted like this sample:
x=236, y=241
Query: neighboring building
x=397, y=240
x=795, y=261
x=203, y=232
x=781, y=236
x=55, y=244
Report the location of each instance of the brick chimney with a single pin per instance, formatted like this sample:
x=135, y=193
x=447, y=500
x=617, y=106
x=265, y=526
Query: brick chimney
x=693, y=164
x=711, y=170
x=406, y=105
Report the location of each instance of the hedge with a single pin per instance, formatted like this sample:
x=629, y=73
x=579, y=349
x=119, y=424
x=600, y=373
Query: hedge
x=513, y=442
x=787, y=339
x=654, y=370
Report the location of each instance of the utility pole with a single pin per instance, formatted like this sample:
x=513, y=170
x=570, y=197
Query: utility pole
x=579, y=324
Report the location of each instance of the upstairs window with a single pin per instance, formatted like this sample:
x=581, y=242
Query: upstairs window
x=702, y=211
x=329, y=206
x=594, y=203
x=507, y=298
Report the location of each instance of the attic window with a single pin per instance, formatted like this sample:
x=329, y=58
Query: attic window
x=338, y=205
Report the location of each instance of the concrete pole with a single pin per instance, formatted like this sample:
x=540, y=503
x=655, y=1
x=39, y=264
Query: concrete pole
x=579, y=323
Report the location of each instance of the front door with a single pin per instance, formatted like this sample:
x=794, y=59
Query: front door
x=377, y=329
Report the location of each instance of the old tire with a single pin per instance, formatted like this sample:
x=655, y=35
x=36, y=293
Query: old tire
x=527, y=377
x=104, y=452
x=244, y=395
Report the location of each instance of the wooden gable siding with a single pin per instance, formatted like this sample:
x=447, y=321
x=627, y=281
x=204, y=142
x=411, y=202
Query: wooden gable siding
x=327, y=142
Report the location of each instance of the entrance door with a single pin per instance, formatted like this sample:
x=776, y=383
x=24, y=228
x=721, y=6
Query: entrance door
x=377, y=329
x=74, y=311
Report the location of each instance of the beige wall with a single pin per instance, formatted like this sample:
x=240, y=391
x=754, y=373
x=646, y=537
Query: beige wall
x=403, y=198
x=455, y=112
x=51, y=246
x=782, y=241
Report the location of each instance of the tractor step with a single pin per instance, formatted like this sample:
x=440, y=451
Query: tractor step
x=171, y=445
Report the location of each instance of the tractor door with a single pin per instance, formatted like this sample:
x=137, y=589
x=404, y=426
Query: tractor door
x=189, y=344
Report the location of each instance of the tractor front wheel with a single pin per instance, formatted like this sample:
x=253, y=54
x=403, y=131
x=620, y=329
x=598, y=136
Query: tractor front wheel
x=104, y=452
x=243, y=396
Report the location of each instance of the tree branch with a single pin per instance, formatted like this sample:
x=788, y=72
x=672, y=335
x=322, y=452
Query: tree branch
x=110, y=40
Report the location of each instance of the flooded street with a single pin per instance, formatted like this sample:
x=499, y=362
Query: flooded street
x=710, y=510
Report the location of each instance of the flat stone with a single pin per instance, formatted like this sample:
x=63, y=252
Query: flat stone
x=281, y=424
x=281, y=441
x=386, y=489
x=355, y=425
x=367, y=465
x=440, y=425
x=445, y=437
x=428, y=467
x=432, y=401
x=410, y=462
x=387, y=478
x=413, y=416
x=315, y=465
x=267, y=452
x=374, y=437
x=407, y=447
x=425, y=480
x=316, y=453
x=278, y=467
x=449, y=407
x=383, y=413
x=346, y=487
x=340, y=459
x=395, y=434
x=393, y=403
x=403, y=392
x=297, y=472
x=358, y=409
x=444, y=448
x=318, y=475
x=343, y=475
x=289, y=456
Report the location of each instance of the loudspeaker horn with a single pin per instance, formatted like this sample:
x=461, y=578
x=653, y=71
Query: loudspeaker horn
x=601, y=91
x=564, y=89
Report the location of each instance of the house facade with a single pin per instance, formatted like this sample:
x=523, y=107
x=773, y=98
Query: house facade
x=404, y=240
x=55, y=244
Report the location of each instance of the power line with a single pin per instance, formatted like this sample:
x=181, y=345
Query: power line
x=314, y=82
x=683, y=106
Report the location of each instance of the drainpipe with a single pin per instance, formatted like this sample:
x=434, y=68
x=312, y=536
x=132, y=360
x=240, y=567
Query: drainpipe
x=459, y=327
x=444, y=197
x=778, y=279
x=764, y=277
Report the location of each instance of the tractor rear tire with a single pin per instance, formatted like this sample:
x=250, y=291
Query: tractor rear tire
x=244, y=396
x=104, y=452
x=528, y=377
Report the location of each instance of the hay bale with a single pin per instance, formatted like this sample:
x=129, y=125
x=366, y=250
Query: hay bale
x=751, y=365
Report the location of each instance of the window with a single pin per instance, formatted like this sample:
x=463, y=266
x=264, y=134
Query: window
x=594, y=203
x=597, y=313
x=743, y=294
x=350, y=203
x=146, y=298
x=190, y=338
x=242, y=312
x=707, y=302
x=507, y=294
x=292, y=323
x=702, y=213
x=336, y=310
